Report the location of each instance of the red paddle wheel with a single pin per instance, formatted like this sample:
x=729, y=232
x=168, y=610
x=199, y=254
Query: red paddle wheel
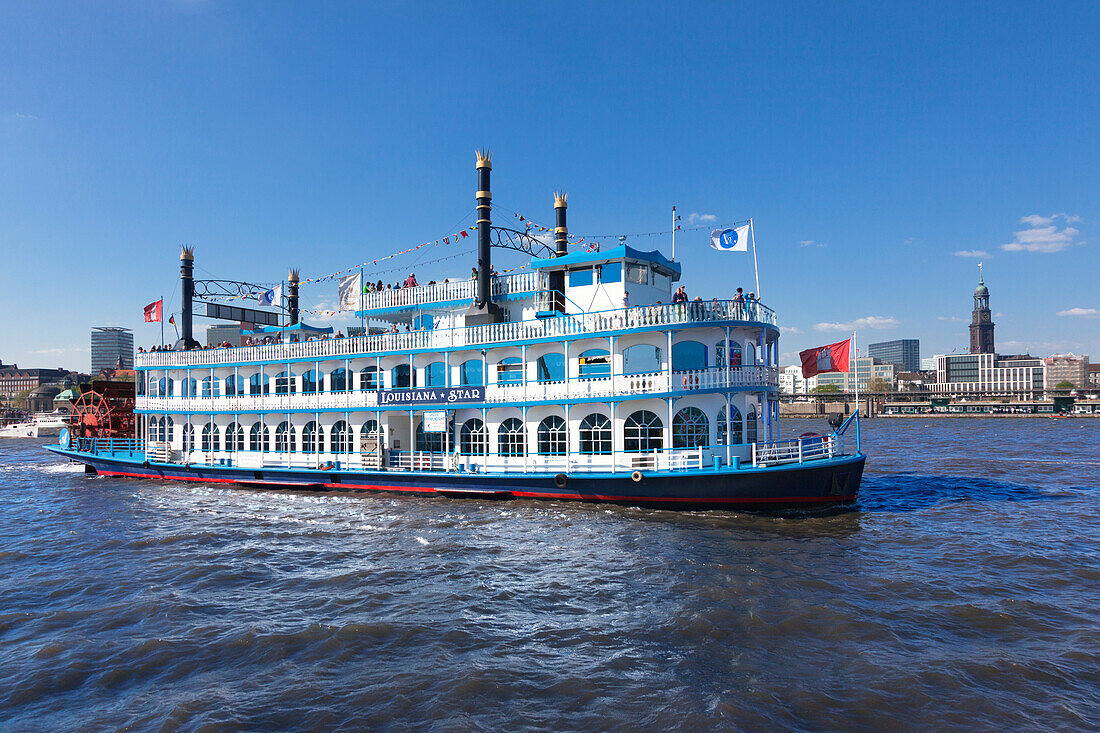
x=104, y=410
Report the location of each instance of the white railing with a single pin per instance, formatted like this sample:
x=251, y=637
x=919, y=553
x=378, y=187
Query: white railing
x=502, y=285
x=797, y=450
x=759, y=377
x=606, y=322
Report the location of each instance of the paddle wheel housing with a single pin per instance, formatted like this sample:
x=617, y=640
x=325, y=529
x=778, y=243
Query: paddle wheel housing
x=104, y=410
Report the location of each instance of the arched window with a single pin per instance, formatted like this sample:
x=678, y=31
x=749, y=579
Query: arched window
x=641, y=359
x=550, y=368
x=338, y=380
x=735, y=426
x=285, y=383
x=234, y=385
x=474, y=438
x=312, y=439
x=255, y=437
x=267, y=444
x=429, y=442
x=166, y=428
x=188, y=438
x=595, y=364
x=510, y=370
x=164, y=387
x=154, y=388
x=435, y=374
x=368, y=378
x=750, y=425
x=370, y=428
x=259, y=384
x=210, y=387
x=234, y=437
x=688, y=356
x=309, y=382
x=595, y=435
x=553, y=439
x=643, y=432
x=188, y=387
x=284, y=438
x=472, y=373
x=720, y=354
x=690, y=428
x=209, y=437
x=400, y=376
x=511, y=438
x=340, y=438
x=750, y=354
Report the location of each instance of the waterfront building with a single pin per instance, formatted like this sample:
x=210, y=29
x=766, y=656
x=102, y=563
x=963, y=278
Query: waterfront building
x=981, y=320
x=112, y=348
x=1065, y=368
x=1094, y=374
x=864, y=369
x=991, y=373
x=904, y=354
x=928, y=364
x=14, y=380
x=915, y=381
x=791, y=381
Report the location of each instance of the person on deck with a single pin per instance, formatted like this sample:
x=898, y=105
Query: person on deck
x=410, y=281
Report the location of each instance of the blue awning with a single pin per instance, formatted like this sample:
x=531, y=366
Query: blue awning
x=616, y=253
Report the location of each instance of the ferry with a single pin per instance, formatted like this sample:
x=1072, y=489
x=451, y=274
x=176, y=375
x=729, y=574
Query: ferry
x=575, y=379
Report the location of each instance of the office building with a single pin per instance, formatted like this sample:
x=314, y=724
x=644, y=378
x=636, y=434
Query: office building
x=791, y=381
x=1010, y=376
x=904, y=354
x=110, y=344
x=864, y=369
x=1065, y=368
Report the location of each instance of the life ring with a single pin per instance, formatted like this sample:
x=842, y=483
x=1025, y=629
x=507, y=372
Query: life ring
x=636, y=477
x=560, y=480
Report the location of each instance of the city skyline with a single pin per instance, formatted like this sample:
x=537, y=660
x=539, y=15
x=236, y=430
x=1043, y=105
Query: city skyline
x=881, y=161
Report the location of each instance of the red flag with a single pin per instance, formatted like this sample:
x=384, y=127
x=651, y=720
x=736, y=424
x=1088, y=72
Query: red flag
x=172, y=319
x=831, y=358
x=464, y=234
x=152, y=311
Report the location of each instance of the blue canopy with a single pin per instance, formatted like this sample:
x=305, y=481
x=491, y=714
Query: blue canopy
x=283, y=329
x=615, y=253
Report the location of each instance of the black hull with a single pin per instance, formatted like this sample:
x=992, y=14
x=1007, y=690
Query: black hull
x=812, y=484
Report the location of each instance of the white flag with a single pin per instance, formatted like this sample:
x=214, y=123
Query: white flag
x=730, y=240
x=273, y=297
x=347, y=294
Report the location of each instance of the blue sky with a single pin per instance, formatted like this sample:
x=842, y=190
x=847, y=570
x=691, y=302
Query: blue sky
x=883, y=150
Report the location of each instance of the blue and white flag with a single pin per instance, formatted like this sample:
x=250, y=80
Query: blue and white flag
x=730, y=240
x=273, y=296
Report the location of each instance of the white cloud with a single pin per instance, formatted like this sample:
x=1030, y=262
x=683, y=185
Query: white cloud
x=60, y=350
x=971, y=253
x=909, y=240
x=865, y=322
x=949, y=319
x=1043, y=234
x=1081, y=312
x=694, y=218
x=790, y=329
x=811, y=243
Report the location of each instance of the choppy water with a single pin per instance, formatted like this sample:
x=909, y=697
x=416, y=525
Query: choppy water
x=963, y=594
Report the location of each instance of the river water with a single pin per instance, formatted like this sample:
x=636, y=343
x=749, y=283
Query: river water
x=963, y=593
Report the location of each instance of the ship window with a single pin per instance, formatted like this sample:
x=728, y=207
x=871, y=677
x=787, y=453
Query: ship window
x=688, y=356
x=720, y=353
x=750, y=355
x=340, y=438
x=595, y=435
x=255, y=437
x=735, y=426
x=312, y=438
x=594, y=364
x=612, y=272
x=750, y=426
x=472, y=373
x=510, y=370
x=430, y=442
x=641, y=359
x=370, y=428
x=188, y=388
x=234, y=385
x=210, y=386
x=553, y=439
x=580, y=277
x=338, y=380
x=234, y=437
x=368, y=378
x=284, y=383
x=474, y=438
x=511, y=438
x=259, y=384
x=209, y=437
x=637, y=274
x=662, y=281
x=309, y=382
x=551, y=368
x=188, y=438
x=435, y=374
x=284, y=438
x=643, y=431
x=690, y=428
x=400, y=376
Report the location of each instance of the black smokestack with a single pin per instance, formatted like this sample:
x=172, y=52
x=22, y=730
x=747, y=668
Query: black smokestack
x=483, y=310
x=292, y=297
x=561, y=231
x=187, y=293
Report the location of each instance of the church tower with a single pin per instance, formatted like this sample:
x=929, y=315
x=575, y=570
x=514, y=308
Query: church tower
x=981, y=323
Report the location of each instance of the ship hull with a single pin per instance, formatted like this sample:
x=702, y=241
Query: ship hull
x=817, y=483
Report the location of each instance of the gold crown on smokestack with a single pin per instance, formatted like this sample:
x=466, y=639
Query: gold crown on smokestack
x=484, y=158
x=559, y=200
x=292, y=275
x=187, y=252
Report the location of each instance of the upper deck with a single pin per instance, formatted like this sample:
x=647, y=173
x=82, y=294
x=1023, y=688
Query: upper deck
x=600, y=323
x=449, y=294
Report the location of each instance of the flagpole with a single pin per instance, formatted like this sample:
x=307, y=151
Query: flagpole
x=674, y=233
x=854, y=362
x=162, y=320
x=755, y=267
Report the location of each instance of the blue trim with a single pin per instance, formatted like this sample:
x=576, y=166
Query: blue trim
x=443, y=304
x=616, y=253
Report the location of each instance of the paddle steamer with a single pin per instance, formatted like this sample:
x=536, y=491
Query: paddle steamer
x=577, y=379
